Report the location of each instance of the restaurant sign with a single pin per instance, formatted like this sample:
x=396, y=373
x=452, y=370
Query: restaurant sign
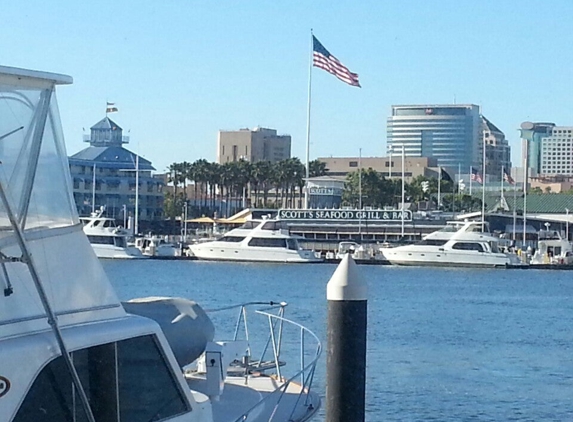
x=344, y=215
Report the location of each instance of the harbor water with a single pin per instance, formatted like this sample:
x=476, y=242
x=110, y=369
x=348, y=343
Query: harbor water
x=443, y=344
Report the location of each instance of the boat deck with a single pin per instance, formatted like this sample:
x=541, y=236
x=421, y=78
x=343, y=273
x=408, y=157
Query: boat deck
x=238, y=397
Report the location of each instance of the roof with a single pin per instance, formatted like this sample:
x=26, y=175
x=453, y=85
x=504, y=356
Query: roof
x=111, y=156
x=537, y=203
x=490, y=125
x=106, y=123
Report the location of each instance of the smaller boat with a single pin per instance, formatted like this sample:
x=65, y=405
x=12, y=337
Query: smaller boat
x=265, y=240
x=469, y=246
x=157, y=246
x=552, y=249
x=107, y=239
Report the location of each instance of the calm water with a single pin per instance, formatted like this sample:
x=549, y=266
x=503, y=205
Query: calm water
x=443, y=344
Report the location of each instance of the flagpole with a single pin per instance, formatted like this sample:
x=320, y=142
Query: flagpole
x=439, y=185
x=94, y=189
x=306, y=193
x=501, y=195
x=470, y=180
x=484, y=179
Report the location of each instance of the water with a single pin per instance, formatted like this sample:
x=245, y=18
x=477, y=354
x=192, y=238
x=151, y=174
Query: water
x=443, y=344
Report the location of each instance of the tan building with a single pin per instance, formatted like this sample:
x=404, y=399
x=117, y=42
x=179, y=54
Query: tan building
x=258, y=144
x=387, y=166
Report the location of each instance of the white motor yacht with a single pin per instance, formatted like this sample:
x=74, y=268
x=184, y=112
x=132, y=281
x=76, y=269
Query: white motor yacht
x=266, y=240
x=69, y=349
x=107, y=239
x=469, y=246
x=552, y=249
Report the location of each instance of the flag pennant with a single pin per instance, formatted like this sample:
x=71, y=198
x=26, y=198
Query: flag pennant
x=322, y=58
x=111, y=108
x=507, y=177
x=475, y=176
x=445, y=176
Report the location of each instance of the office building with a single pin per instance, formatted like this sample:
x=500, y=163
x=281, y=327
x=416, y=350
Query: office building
x=258, y=144
x=549, y=148
x=104, y=174
x=452, y=134
x=497, y=150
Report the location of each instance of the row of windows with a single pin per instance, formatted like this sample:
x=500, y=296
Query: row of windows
x=127, y=381
x=108, y=240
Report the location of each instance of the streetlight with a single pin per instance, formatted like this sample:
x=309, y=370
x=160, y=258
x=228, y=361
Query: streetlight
x=567, y=224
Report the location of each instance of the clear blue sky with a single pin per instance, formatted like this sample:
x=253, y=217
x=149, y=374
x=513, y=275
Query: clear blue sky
x=179, y=71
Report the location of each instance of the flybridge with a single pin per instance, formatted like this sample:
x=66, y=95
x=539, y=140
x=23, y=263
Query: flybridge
x=344, y=215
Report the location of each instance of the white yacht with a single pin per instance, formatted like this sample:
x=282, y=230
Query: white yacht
x=468, y=246
x=70, y=350
x=266, y=240
x=107, y=239
x=156, y=246
x=552, y=249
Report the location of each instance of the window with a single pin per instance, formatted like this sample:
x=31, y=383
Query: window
x=133, y=371
x=267, y=242
x=234, y=239
x=353, y=164
x=467, y=246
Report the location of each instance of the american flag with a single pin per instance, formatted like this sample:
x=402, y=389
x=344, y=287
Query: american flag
x=476, y=177
x=326, y=61
x=508, y=178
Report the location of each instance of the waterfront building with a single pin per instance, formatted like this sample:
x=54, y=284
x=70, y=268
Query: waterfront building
x=113, y=169
x=386, y=166
x=325, y=191
x=258, y=144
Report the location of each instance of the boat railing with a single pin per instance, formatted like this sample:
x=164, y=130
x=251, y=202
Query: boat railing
x=309, y=349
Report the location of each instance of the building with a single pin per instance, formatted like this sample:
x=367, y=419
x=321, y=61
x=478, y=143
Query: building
x=104, y=174
x=388, y=166
x=259, y=144
x=452, y=134
x=497, y=150
x=549, y=149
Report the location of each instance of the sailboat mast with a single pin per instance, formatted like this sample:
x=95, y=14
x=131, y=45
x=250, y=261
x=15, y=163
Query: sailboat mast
x=136, y=194
x=94, y=189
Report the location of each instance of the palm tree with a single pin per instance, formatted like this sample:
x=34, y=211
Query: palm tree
x=316, y=168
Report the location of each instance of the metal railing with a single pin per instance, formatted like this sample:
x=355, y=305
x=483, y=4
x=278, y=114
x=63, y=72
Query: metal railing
x=274, y=344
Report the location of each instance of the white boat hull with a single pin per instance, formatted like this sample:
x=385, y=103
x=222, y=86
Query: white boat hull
x=210, y=252
x=447, y=258
x=114, y=252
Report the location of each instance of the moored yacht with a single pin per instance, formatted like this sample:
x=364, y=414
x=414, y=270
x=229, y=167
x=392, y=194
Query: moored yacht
x=70, y=350
x=552, y=249
x=107, y=239
x=266, y=240
x=468, y=246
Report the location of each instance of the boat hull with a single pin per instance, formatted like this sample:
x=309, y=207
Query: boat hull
x=252, y=254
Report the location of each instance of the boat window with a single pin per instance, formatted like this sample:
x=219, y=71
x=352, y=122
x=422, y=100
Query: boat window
x=147, y=388
x=250, y=225
x=292, y=244
x=100, y=240
x=271, y=225
x=432, y=242
x=120, y=241
x=234, y=239
x=468, y=246
x=133, y=370
x=267, y=242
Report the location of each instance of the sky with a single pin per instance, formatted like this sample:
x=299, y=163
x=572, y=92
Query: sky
x=180, y=71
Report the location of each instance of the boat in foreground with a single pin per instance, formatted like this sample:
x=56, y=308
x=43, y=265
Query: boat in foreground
x=70, y=350
x=469, y=246
x=107, y=239
x=266, y=240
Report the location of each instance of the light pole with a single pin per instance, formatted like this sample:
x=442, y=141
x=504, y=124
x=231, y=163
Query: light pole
x=567, y=224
